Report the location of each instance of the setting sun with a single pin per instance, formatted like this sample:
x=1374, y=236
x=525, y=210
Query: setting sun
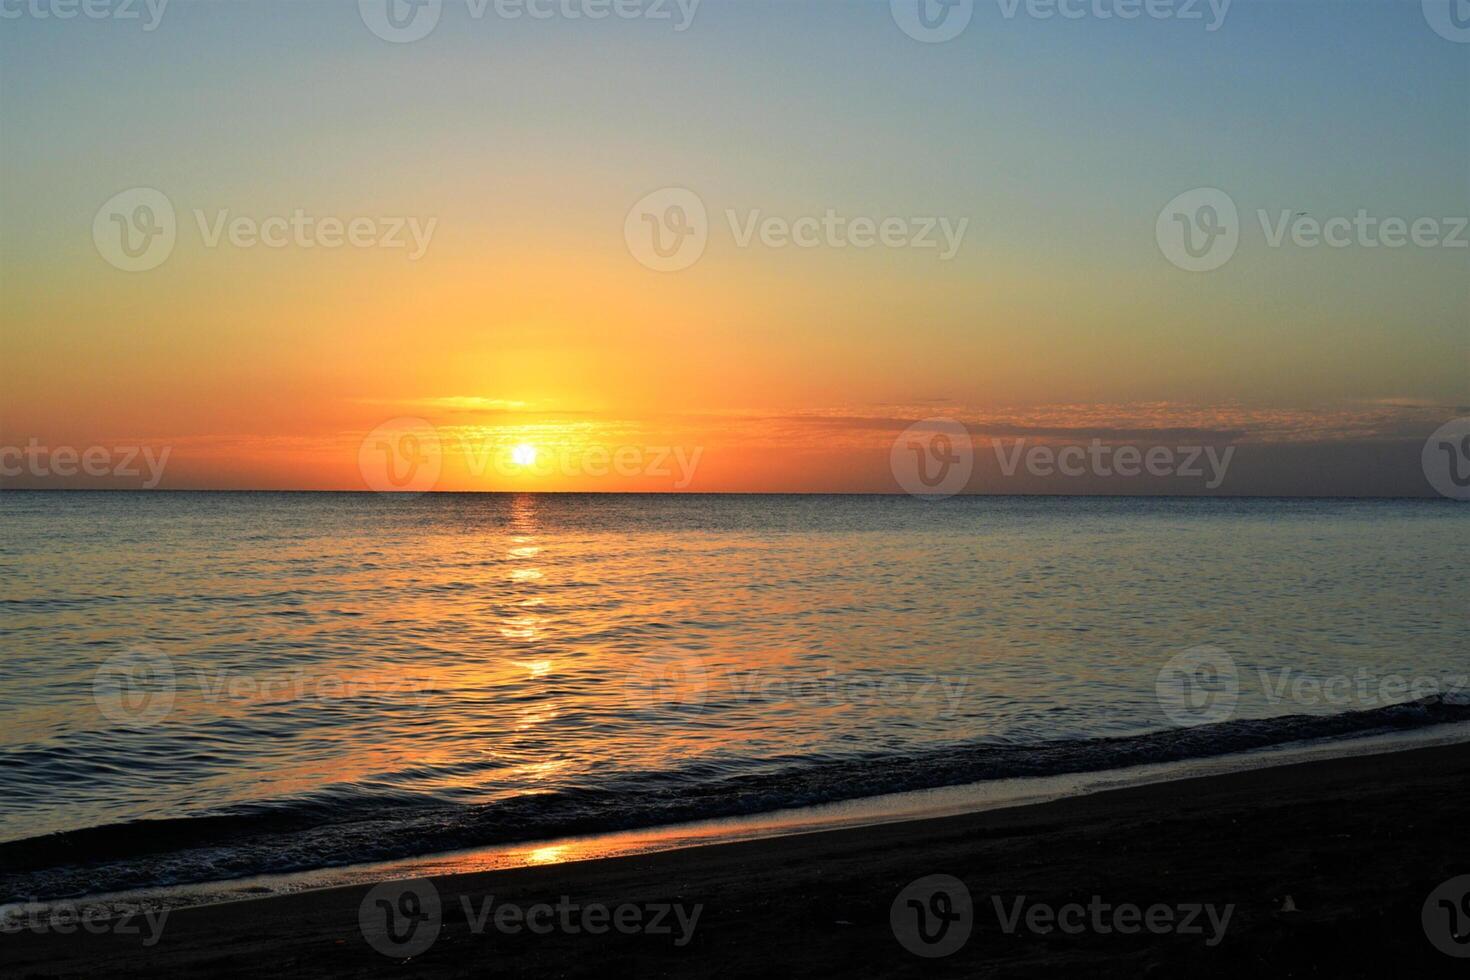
x=585, y=487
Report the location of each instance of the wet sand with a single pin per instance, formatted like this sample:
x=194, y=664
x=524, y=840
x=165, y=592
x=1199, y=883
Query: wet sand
x=1357, y=844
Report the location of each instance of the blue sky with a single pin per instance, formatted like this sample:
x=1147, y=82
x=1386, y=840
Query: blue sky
x=1058, y=139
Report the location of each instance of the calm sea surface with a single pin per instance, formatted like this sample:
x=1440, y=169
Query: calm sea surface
x=200, y=686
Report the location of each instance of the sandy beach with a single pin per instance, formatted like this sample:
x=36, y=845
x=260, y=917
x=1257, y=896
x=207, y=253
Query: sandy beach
x=1315, y=868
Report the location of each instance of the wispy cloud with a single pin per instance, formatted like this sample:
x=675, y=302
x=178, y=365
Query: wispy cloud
x=452, y=403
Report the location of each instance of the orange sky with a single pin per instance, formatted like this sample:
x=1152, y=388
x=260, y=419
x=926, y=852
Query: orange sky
x=529, y=318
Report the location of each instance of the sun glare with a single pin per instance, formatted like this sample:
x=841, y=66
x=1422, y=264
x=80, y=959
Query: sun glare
x=523, y=455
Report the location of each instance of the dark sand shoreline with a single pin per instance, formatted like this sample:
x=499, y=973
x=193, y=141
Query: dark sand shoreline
x=1358, y=844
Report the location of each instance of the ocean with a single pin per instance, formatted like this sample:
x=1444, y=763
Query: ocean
x=206, y=686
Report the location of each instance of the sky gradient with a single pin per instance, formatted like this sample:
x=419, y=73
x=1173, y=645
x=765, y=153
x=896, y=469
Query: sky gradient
x=529, y=321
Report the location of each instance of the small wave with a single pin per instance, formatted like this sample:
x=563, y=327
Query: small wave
x=347, y=827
